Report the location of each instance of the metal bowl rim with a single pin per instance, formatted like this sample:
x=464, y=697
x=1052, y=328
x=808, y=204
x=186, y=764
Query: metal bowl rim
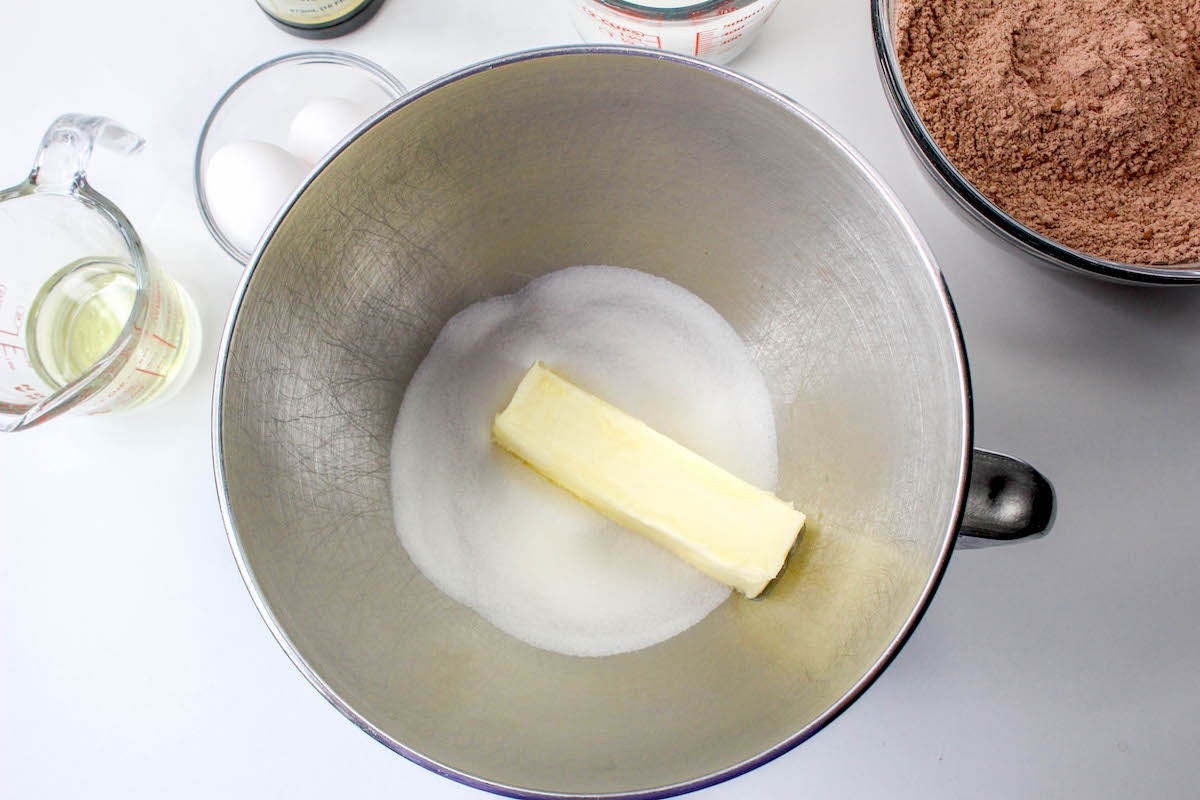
x=949, y=536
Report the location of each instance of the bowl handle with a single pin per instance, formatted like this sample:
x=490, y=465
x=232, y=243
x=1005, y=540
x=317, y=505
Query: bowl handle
x=1007, y=500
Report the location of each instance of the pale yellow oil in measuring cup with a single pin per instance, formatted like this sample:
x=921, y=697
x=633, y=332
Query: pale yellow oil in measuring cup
x=88, y=322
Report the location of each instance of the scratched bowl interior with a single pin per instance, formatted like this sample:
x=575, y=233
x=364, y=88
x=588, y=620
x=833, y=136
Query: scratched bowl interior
x=465, y=190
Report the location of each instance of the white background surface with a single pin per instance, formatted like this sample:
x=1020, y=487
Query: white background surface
x=133, y=663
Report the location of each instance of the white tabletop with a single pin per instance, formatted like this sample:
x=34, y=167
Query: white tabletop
x=134, y=663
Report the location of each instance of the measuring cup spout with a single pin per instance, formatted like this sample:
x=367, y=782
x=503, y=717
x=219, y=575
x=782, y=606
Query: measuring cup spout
x=66, y=148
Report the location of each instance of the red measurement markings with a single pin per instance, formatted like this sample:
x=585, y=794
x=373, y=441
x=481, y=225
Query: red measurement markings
x=150, y=372
x=726, y=34
x=9, y=350
x=732, y=35
x=164, y=341
x=30, y=392
x=733, y=30
x=18, y=314
x=622, y=33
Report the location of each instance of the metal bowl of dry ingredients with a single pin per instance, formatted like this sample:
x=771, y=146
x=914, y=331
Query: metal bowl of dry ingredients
x=961, y=116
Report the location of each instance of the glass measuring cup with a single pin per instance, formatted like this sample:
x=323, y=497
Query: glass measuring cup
x=714, y=30
x=89, y=324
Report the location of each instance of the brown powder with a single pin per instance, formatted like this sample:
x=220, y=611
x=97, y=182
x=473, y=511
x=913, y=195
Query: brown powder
x=1080, y=118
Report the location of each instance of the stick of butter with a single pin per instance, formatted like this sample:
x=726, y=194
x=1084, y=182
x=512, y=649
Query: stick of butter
x=723, y=526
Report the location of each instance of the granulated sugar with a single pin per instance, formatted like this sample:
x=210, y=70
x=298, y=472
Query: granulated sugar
x=493, y=534
x=1080, y=118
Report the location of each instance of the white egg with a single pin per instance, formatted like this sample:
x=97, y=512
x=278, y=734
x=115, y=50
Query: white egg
x=321, y=124
x=246, y=182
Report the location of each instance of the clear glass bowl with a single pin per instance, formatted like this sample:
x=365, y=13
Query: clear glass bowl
x=976, y=205
x=261, y=104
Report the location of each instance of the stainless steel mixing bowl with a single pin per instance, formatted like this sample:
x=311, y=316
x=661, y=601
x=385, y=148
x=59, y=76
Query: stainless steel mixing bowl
x=466, y=189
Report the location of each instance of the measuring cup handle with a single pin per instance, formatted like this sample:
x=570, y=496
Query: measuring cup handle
x=1007, y=500
x=63, y=155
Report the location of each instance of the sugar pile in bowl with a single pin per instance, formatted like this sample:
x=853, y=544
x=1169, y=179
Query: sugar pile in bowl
x=522, y=552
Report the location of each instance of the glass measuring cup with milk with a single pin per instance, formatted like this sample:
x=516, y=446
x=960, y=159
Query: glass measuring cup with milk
x=89, y=324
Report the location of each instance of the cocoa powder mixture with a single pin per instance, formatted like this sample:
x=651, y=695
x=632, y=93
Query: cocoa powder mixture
x=1080, y=118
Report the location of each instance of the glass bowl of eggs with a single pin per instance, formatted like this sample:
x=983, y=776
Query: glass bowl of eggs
x=1073, y=172
x=271, y=128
